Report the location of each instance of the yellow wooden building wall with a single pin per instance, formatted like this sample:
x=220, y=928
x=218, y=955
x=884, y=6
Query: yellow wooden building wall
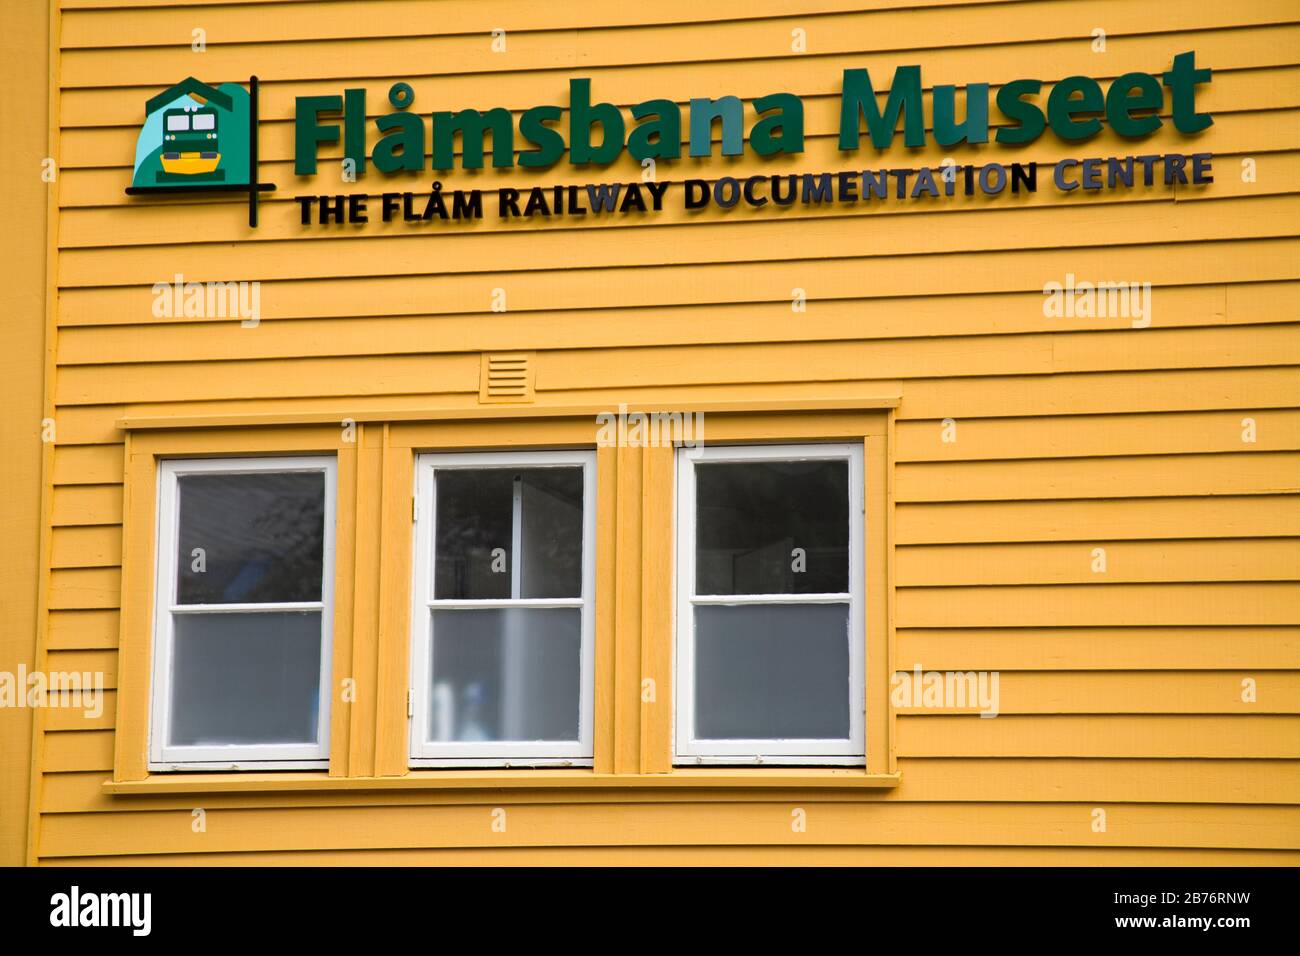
x=1120, y=690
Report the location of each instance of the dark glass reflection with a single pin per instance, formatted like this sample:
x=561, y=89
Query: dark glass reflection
x=772, y=527
x=475, y=525
x=262, y=537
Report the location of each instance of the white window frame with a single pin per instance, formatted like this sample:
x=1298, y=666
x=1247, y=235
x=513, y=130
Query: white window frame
x=498, y=753
x=850, y=751
x=164, y=756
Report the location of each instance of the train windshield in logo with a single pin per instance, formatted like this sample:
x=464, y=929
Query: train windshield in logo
x=190, y=145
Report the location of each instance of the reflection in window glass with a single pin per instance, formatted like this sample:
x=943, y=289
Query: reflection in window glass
x=505, y=674
x=259, y=538
x=485, y=513
x=772, y=527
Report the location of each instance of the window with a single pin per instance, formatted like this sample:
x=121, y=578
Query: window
x=245, y=575
x=503, y=622
x=770, y=643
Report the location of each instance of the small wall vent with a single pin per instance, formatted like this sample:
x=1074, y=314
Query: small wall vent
x=506, y=377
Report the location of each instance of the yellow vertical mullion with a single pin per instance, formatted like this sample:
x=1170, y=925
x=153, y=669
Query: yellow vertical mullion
x=345, y=544
x=657, y=609
x=879, y=629
x=627, y=613
x=394, y=610
x=606, y=597
x=891, y=592
x=365, y=618
x=135, y=637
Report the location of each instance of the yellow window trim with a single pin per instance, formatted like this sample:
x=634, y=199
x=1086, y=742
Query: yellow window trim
x=479, y=413
x=634, y=614
x=767, y=779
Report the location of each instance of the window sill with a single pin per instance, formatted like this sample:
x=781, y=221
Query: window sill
x=791, y=778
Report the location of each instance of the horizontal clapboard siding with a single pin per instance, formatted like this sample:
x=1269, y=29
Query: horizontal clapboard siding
x=1120, y=687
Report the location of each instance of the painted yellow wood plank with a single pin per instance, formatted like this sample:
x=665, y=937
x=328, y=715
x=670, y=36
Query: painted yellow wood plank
x=345, y=550
x=79, y=750
x=100, y=664
x=675, y=824
x=127, y=336
x=87, y=24
x=96, y=712
x=392, y=677
x=273, y=440
x=1126, y=562
x=366, y=598
x=1102, y=392
x=129, y=744
x=755, y=239
x=878, y=590
x=628, y=662
x=1060, y=396
x=1099, y=520
x=441, y=372
x=94, y=23
x=87, y=504
x=1083, y=436
x=88, y=426
x=1099, y=735
x=947, y=779
x=107, y=325
x=1144, y=692
x=87, y=464
x=85, y=588
x=1102, y=781
x=82, y=629
x=93, y=546
x=673, y=365
x=658, y=476
x=899, y=359
x=1101, y=648
x=698, y=72
x=1234, y=473
x=1112, y=605
x=718, y=856
x=713, y=284
x=605, y=703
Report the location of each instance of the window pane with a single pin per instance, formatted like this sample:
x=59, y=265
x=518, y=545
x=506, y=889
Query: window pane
x=505, y=674
x=473, y=521
x=475, y=532
x=772, y=672
x=772, y=527
x=551, y=510
x=180, y=121
x=261, y=535
x=246, y=678
x=205, y=120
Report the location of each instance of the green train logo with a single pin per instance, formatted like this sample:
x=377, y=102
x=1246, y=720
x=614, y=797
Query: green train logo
x=194, y=136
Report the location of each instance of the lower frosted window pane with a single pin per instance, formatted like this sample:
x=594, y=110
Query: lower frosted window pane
x=505, y=674
x=246, y=678
x=772, y=672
